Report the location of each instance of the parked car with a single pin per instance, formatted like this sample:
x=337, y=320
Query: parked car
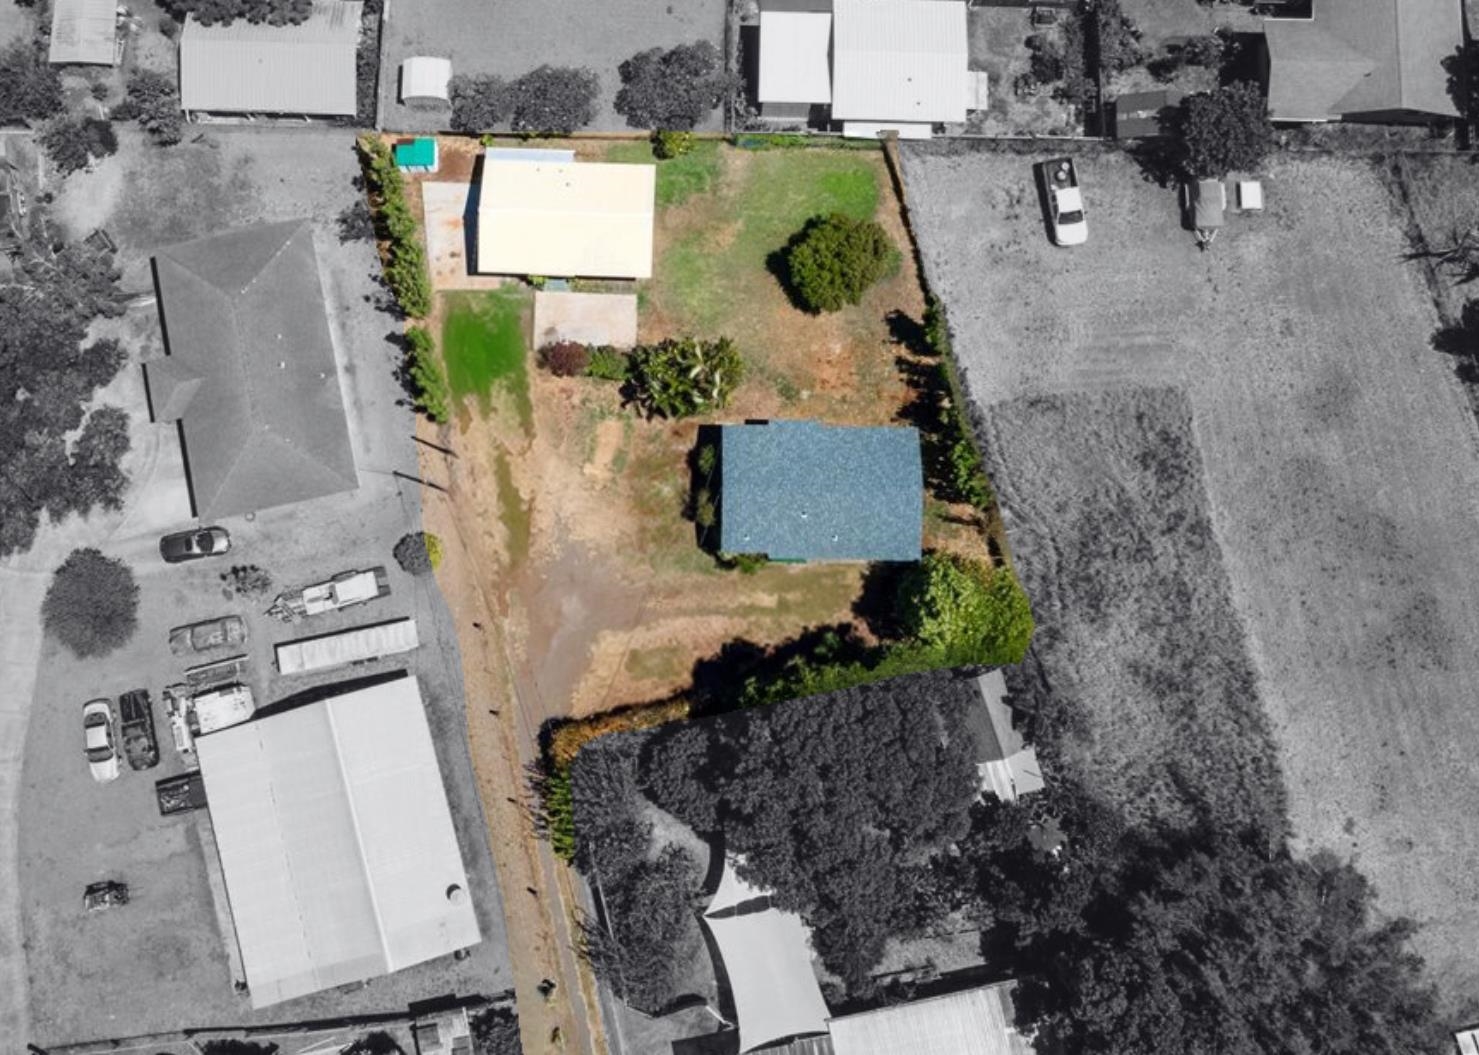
x=140, y=746
x=109, y=893
x=101, y=745
x=193, y=545
x=1204, y=205
x=212, y=633
x=1065, y=201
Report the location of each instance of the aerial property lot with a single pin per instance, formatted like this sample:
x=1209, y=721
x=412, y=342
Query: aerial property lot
x=510, y=39
x=1287, y=371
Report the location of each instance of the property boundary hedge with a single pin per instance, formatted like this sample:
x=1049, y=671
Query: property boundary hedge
x=403, y=260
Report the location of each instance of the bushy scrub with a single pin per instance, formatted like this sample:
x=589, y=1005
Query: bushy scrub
x=673, y=89
x=565, y=358
x=404, y=259
x=965, y=610
x=151, y=98
x=609, y=364
x=670, y=144
x=834, y=260
x=71, y=144
x=418, y=553
x=92, y=605
x=682, y=377
x=427, y=377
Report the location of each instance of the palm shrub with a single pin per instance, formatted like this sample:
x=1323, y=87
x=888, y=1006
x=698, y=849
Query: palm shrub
x=834, y=259
x=680, y=378
x=609, y=364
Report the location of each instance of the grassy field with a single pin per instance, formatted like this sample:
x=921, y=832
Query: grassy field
x=611, y=598
x=1340, y=461
x=484, y=342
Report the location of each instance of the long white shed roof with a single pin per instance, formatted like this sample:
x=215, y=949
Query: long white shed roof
x=247, y=67
x=899, y=60
x=340, y=859
x=565, y=219
x=974, y=1022
x=84, y=31
x=795, y=63
x=767, y=957
x=343, y=647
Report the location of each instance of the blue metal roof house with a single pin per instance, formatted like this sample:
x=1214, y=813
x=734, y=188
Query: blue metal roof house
x=803, y=491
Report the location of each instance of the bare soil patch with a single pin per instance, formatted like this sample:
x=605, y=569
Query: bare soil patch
x=1341, y=463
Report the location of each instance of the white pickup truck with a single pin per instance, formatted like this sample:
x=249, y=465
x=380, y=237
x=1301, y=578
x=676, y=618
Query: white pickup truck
x=1065, y=201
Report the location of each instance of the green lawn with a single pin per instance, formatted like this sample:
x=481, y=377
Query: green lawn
x=485, y=344
x=708, y=278
x=678, y=179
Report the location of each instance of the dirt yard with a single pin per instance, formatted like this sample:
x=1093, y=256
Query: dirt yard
x=581, y=536
x=1341, y=466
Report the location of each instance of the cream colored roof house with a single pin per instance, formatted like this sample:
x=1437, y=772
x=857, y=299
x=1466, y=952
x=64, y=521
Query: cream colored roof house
x=565, y=219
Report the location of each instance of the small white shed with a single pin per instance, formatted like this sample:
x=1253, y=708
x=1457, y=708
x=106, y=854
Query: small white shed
x=425, y=79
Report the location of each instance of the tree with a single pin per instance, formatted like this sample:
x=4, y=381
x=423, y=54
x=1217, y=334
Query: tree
x=30, y=88
x=496, y=1032
x=1223, y=130
x=418, y=553
x=834, y=259
x=680, y=378
x=152, y=99
x=72, y=143
x=480, y=103
x=966, y=610
x=92, y=604
x=94, y=477
x=554, y=100
x=426, y=376
x=223, y=12
x=673, y=89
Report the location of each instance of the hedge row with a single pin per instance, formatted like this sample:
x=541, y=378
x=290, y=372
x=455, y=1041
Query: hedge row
x=403, y=260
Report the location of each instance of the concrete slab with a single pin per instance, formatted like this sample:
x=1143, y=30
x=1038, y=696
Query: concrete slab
x=586, y=318
x=451, y=234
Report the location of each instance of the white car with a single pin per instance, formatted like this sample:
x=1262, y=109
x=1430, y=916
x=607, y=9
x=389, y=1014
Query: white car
x=1065, y=201
x=97, y=735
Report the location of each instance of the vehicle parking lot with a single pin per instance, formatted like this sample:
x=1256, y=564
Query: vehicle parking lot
x=160, y=962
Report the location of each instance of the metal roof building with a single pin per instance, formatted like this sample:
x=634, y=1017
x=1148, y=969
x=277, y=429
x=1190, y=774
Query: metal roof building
x=336, y=841
x=426, y=78
x=801, y=490
x=246, y=67
x=973, y=1022
x=1007, y=765
x=250, y=375
x=565, y=219
x=1363, y=60
x=899, y=60
x=795, y=57
x=85, y=32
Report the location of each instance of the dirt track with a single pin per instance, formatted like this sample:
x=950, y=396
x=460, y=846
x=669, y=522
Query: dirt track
x=1342, y=467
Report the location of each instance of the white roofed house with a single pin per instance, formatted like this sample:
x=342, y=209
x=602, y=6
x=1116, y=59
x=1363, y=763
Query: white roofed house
x=1007, y=764
x=84, y=32
x=877, y=66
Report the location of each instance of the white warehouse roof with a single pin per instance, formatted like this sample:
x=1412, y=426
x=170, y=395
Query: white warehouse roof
x=565, y=220
x=246, y=67
x=425, y=77
x=795, y=66
x=973, y=1022
x=899, y=60
x=340, y=859
x=84, y=31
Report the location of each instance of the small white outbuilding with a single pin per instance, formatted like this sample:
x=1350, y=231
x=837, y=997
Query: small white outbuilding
x=426, y=79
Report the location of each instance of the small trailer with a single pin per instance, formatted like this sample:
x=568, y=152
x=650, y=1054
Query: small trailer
x=220, y=708
x=1205, y=206
x=342, y=591
x=180, y=794
x=359, y=644
x=104, y=895
x=140, y=746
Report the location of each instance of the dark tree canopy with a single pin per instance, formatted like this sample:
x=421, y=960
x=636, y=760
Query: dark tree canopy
x=834, y=259
x=496, y=1032
x=47, y=377
x=92, y=605
x=1223, y=130
x=152, y=99
x=554, y=99
x=221, y=12
x=673, y=89
x=480, y=103
x=30, y=89
x=72, y=142
x=836, y=803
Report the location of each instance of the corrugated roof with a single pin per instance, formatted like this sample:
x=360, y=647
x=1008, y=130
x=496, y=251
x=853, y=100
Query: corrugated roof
x=1363, y=57
x=899, y=60
x=343, y=647
x=247, y=67
x=795, y=57
x=84, y=31
x=426, y=77
x=973, y=1022
x=801, y=490
x=767, y=959
x=340, y=859
x=567, y=220
x=244, y=313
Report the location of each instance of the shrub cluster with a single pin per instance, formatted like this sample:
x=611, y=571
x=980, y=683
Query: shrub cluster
x=418, y=553
x=151, y=98
x=609, y=364
x=679, y=378
x=667, y=144
x=92, y=605
x=404, y=259
x=223, y=12
x=30, y=88
x=565, y=358
x=426, y=376
x=834, y=259
x=72, y=142
x=673, y=89
x=1223, y=130
x=550, y=100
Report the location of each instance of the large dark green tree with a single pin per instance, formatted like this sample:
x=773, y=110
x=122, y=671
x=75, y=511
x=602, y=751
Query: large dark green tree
x=673, y=89
x=1223, y=130
x=30, y=89
x=92, y=604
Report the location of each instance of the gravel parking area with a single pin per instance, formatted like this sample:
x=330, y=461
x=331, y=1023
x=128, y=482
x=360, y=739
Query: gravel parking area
x=511, y=37
x=1341, y=463
x=160, y=962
